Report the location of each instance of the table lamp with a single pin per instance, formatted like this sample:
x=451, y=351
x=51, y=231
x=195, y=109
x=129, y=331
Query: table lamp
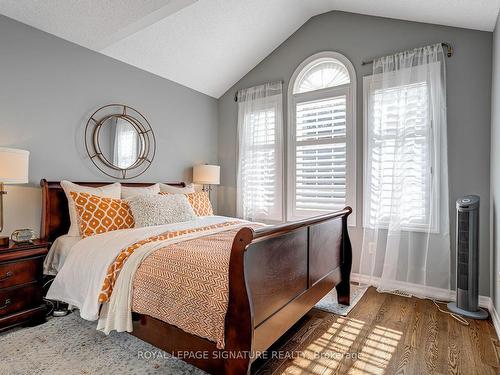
x=206, y=175
x=13, y=170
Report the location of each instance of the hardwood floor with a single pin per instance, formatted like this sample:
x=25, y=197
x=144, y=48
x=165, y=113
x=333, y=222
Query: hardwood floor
x=385, y=334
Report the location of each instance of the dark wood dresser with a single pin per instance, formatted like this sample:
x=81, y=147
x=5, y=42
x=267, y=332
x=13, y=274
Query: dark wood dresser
x=21, y=275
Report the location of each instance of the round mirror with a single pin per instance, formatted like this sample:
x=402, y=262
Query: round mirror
x=119, y=144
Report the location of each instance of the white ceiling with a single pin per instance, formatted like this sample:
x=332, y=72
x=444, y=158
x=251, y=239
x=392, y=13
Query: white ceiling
x=209, y=45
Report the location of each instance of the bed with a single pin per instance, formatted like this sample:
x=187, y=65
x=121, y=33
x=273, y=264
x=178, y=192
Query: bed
x=276, y=275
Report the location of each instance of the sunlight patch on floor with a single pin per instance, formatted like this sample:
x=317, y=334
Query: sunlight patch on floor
x=377, y=351
x=324, y=354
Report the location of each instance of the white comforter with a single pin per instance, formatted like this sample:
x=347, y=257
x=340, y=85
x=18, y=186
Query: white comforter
x=80, y=279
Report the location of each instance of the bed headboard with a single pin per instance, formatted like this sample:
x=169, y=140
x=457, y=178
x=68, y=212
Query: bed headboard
x=55, y=215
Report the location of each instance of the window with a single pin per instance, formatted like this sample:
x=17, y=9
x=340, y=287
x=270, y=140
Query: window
x=321, y=137
x=401, y=143
x=260, y=162
x=126, y=144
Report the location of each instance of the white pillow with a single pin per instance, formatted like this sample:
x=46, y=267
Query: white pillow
x=106, y=191
x=129, y=192
x=150, y=210
x=176, y=190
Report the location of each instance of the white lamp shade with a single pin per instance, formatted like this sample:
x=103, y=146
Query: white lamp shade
x=206, y=174
x=14, y=166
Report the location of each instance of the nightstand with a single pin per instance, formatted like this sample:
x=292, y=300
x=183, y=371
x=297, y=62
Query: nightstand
x=21, y=294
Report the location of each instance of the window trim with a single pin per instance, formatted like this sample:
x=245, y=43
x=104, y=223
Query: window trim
x=351, y=125
x=435, y=225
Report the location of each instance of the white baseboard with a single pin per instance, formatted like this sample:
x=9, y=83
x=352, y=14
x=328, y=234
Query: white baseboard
x=430, y=292
x=484, y=302
x=433, y=293
x=494, y=317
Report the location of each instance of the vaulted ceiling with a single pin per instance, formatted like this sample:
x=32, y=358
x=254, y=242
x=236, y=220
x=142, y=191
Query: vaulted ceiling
x=208, y=45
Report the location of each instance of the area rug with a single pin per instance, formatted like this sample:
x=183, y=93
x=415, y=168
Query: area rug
x=329, y=302
x=71, y=345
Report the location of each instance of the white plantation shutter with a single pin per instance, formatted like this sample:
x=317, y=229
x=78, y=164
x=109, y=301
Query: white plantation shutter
x=321, y=140
x=260, y=162
x=321, y=74
x=321, y=119
x=320, y=161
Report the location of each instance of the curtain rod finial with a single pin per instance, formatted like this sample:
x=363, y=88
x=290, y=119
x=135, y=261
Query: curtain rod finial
x=449, y=47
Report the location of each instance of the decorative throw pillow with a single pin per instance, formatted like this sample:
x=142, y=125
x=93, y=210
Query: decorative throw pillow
x=99, y=215
x=151, y=210
x=107, y=191
x=164, y=188
x=130, y=191
x=200, y=202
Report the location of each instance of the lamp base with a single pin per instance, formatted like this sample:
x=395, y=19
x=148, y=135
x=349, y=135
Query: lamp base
x=4, y=241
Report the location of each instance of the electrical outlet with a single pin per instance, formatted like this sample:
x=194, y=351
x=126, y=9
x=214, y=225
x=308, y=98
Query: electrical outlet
x=498, y=278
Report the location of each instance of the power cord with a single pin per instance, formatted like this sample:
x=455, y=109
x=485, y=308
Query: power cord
x=51, y=306
x=457, y=317
x=47, y=283
x=55, y=306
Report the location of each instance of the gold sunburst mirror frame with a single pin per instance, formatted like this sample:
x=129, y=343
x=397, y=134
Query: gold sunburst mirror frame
x=120, y=141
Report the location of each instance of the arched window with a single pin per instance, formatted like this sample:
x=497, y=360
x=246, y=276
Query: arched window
x=321, y=136
x=322, y=73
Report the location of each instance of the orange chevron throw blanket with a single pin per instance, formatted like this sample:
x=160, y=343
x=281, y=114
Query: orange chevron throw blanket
x=115, y=268
x=187, y=284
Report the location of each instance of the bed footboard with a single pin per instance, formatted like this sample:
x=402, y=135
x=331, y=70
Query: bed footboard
x=276, y=275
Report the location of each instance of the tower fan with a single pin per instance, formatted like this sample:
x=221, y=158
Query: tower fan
x=467, y=243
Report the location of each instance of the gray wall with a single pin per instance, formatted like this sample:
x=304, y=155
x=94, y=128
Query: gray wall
x=48, y=89
x=495, y=170
x=362, y=37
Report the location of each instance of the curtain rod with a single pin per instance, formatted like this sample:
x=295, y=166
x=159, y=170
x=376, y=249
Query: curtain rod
x=236, y=93
x=448, y=46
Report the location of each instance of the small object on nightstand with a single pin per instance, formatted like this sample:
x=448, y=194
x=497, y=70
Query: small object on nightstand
x=21, y=283
x=13, y=170
x=22, y=235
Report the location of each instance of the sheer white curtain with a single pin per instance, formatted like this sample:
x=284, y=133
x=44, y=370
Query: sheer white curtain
x=406, y=243
x=260, y=162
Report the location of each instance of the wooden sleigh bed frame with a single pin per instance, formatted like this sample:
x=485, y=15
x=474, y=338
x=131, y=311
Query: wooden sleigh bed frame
x=276, y=275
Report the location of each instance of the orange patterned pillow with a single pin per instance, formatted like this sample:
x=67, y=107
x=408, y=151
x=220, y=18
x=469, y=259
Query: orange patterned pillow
x=98, y=215
x=200, y=202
